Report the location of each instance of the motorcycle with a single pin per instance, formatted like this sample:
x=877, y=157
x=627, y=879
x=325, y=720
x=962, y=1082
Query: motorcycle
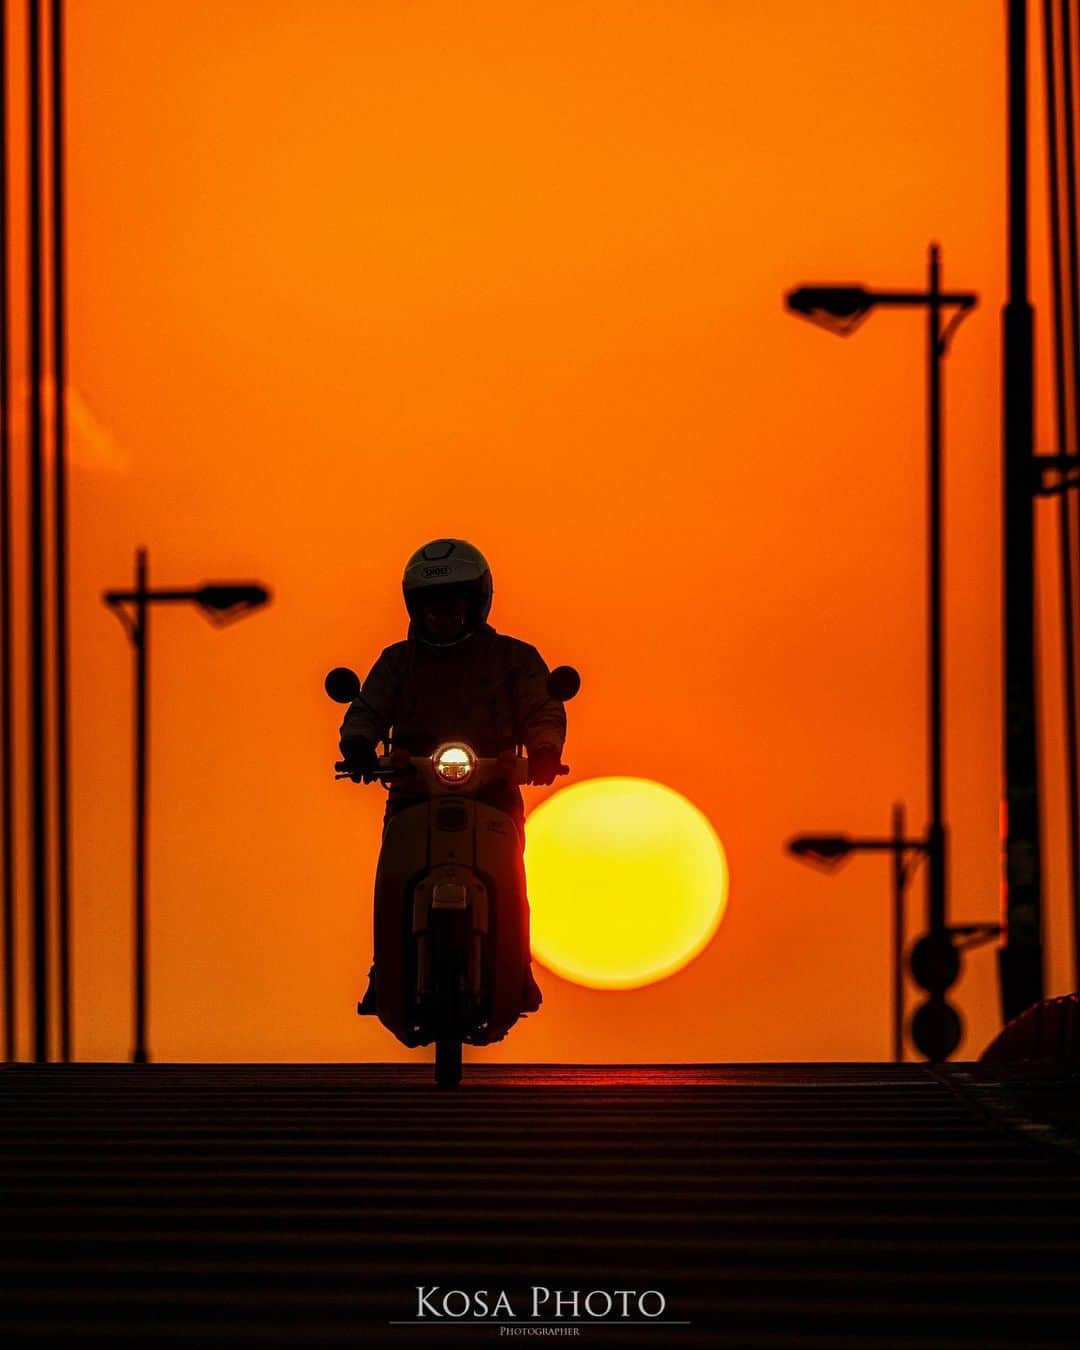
x=451, y=908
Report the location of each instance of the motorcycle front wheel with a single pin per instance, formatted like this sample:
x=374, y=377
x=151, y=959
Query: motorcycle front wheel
x=448, y=1063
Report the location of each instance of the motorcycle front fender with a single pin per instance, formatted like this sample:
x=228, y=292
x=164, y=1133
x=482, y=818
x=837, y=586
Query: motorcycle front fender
x=491, y=846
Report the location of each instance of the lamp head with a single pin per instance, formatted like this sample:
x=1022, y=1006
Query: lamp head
x=224, y=601
x=828, y=850
x=839, y=309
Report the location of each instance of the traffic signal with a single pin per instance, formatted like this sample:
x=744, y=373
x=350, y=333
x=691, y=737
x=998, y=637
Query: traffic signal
x=936, y=1027
x=935, y=963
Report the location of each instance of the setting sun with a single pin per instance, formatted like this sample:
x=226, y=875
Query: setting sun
x=627, y=882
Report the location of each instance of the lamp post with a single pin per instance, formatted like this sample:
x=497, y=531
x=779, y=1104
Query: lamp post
x=220, y=602
x=7, y=706
x=935, y=966
x=841, y=309
x=830, y=850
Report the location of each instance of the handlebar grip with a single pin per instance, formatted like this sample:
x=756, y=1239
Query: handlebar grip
x=342, y=769
x=378, y=774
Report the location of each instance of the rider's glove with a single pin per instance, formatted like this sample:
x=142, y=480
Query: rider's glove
x=544, y=765
x=359, y=754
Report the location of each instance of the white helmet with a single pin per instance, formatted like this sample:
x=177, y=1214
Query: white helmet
x=446, y=563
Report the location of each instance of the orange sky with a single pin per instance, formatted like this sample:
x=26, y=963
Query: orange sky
x=346, y=277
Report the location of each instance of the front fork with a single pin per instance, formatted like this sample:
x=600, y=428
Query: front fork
x=450, y=967
x=450, y=913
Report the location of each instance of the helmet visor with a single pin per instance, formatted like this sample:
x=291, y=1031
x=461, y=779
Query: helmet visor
x=444, y=612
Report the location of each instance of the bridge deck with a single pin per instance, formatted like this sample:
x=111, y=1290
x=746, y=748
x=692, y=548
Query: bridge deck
x=771, y=1205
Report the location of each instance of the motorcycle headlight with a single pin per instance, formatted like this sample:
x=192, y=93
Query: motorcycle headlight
x=454, y=762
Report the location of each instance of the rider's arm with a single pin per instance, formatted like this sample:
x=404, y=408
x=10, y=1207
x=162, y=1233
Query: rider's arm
x=540, y=718
x=371, y=714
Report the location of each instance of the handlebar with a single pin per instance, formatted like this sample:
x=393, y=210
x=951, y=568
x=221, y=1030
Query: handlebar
x=515, y=768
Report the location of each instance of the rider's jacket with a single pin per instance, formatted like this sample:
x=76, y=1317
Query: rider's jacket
x=489, y=690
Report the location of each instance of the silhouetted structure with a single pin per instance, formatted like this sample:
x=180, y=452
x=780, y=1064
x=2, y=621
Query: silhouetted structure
x=841, y=309
x=1061, y=115
x=60, y=526
x=220, y=602
x=1021, y=955
x=1047, y=1033
x=7, y=710
x=38, y=541
x=39, y=815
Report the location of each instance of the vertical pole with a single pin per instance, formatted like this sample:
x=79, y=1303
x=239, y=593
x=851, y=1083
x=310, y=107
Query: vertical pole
x=1070, y=45
x=141, y=1054
x=899, y=863
x=1070, y=444
x=7, y=711
x=1064, y=283
x=1020, y=958
x=39, y=822
x=63, y=750
x=937, y=840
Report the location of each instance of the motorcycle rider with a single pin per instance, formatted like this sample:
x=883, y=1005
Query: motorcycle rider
x=455, y=678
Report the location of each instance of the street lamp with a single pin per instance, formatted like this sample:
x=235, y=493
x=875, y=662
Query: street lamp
x=221, y=603
x=831, y=850
x=841, y=309
x=934, y=963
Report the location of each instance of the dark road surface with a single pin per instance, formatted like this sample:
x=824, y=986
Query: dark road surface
x=778, y=1205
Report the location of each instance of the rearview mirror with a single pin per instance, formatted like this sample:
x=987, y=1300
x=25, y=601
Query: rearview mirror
x=342, y=684
x=563, y=683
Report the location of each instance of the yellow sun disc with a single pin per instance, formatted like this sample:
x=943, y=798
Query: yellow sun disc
x=627, y=882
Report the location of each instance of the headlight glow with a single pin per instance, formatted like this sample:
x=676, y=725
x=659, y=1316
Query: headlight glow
x=454, y=762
